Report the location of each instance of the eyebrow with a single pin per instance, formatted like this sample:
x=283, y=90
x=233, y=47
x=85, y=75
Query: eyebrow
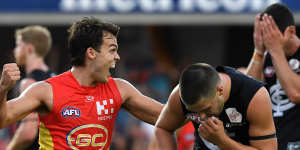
x=115, y=45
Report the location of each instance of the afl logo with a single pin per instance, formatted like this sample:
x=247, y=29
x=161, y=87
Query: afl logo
x=70, y=112
x=89, y=136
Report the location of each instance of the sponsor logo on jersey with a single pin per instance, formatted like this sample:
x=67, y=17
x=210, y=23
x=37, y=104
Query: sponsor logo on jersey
x=70, y=112
x=89, y=136
x=233, y=115
x=294, y=63
x=269, y=71
x=280, y=101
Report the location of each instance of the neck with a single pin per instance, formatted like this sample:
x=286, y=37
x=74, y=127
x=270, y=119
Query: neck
x=35, y=63
x=83, y=76
x=226, y=83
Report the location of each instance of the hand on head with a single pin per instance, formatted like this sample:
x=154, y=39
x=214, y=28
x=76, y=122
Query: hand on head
x=258, y=35
x=272, y=37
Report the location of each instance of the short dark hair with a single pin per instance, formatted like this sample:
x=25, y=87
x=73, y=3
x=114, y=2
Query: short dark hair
x=198, y=81
x=282, y=15
x=86, y=33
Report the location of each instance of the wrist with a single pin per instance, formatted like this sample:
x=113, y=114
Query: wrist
x=259, y=52
x=3, y=89
x=225, y=141
x=257, y=58
x=277, y=53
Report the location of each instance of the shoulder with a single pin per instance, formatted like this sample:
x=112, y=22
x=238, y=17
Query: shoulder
x=39, y=92
x=261, y=96
x=39, y=88
x=121, y=82
x=260, y=103
x=174, y=101
x=123, y=85
x=125, y=88
x=175, y=92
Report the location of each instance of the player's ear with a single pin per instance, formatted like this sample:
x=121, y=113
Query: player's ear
x=30, y=48
x=290, y=31
x=91, y=53
x=220, y=90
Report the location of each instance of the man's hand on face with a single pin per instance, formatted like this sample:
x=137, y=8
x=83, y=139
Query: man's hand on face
x=273, y=38
x=212, y=130
x=258, y=35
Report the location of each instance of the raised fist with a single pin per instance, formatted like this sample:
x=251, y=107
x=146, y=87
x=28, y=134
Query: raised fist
x=10, y=74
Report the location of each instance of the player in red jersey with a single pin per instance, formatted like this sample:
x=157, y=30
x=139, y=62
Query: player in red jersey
x=77, y=109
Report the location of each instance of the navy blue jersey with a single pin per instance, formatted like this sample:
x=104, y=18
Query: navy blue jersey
x=234, y=114
x=285, y=113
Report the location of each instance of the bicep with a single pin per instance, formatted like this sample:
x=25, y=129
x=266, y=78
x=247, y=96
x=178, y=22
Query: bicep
x=259, y=115
x=26, y=103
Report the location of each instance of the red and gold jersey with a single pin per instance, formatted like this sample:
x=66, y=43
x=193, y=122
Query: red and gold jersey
x=82, y=117
x=185, y=136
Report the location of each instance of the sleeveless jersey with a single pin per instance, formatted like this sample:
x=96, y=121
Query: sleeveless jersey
x=234, y=114
x=285, y=113
x=185, y=136
x=82, y=117
x=38, y=75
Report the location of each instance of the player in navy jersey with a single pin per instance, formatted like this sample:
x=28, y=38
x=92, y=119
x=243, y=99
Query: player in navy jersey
x=276, y=60
x=229, y=111
x=32, y=45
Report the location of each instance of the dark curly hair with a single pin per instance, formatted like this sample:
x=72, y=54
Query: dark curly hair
x=85, y=33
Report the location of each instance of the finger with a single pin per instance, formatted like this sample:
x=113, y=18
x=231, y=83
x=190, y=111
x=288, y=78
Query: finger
x=256, y=23
x=14, y=73
x=211, y=123
x=9, y=65
x=264, y=29
x=207, y=127
x=266, y=24
x=268, y=21
x=15, y=78
x=11, y=68
x=273, y=24
x=201, y=130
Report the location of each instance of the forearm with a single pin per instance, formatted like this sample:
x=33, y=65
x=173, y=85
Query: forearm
x=165, y=139
x=255, y=67
x=147, y=111
x=18, y=144
x=25, y=134
x=3, y=99
x=289, y=80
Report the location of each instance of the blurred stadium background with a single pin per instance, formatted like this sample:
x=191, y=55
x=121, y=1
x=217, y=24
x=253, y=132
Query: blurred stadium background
x=157, y=39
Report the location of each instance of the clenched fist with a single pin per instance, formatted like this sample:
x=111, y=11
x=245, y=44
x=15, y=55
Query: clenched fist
x=10, y=74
